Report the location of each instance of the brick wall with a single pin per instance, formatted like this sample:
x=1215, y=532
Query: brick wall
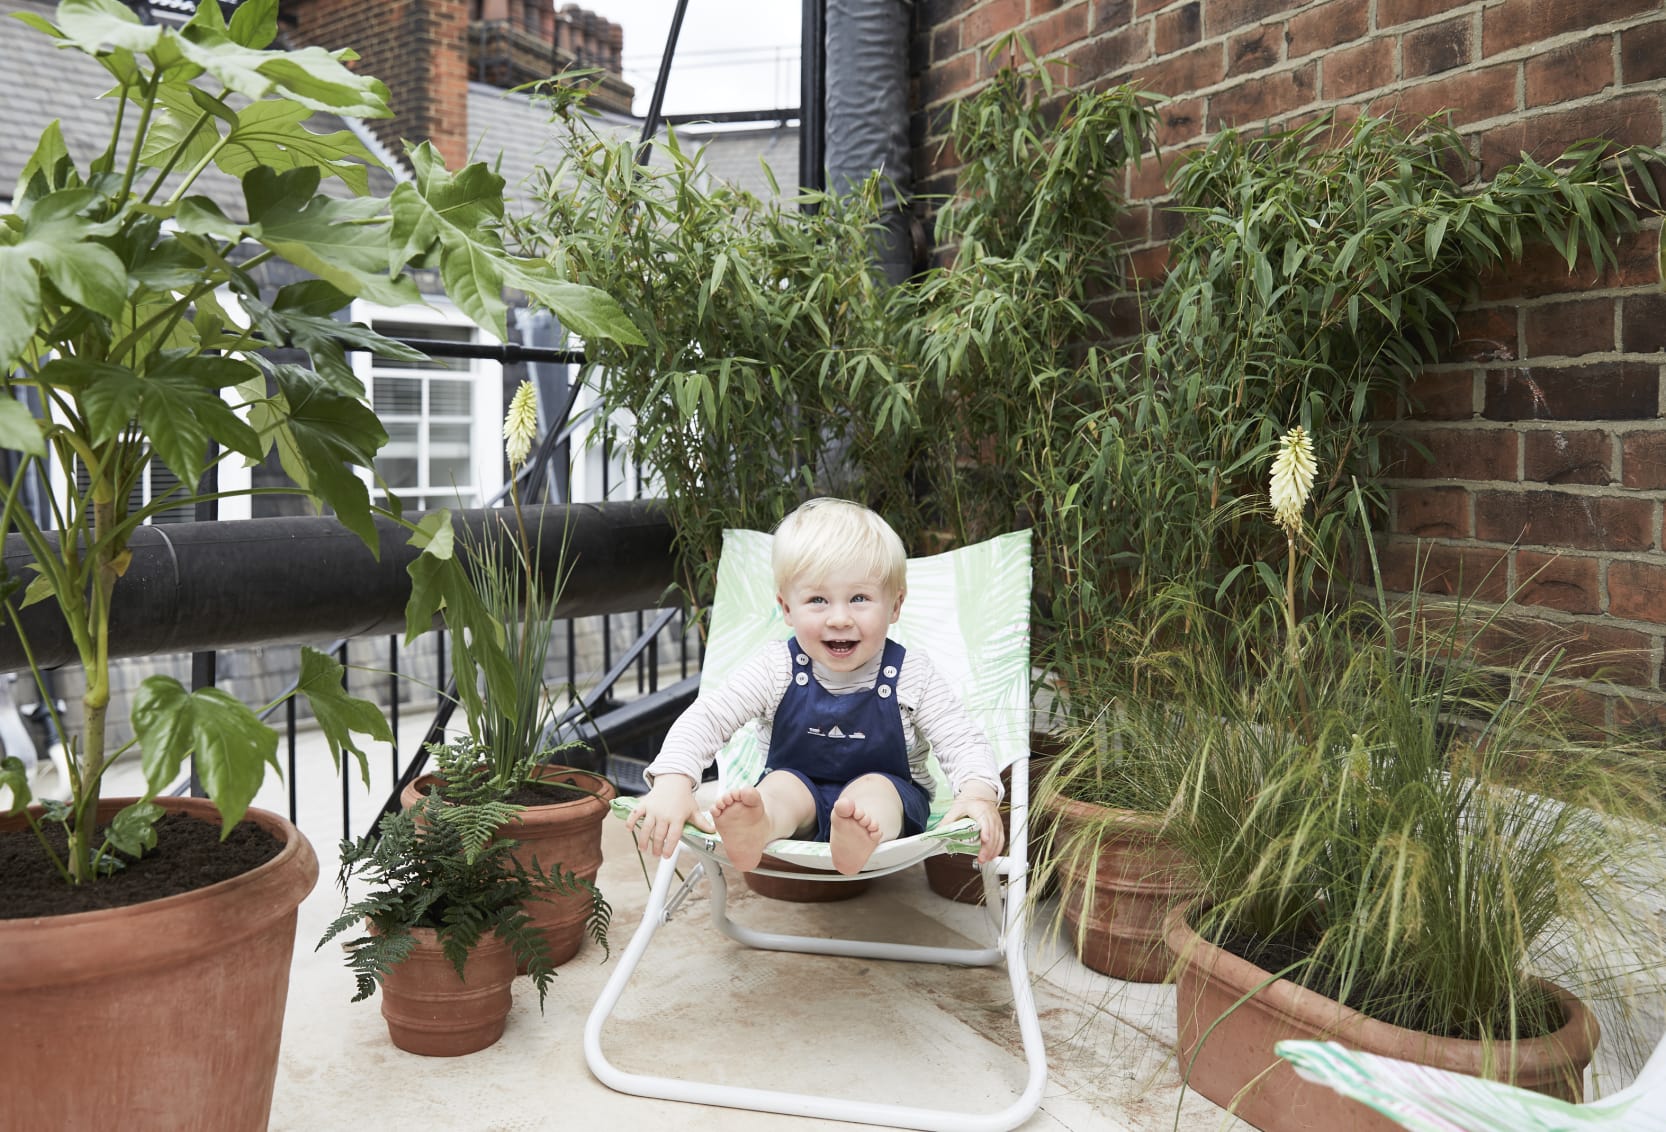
x=1546, y=420
x=419, y=48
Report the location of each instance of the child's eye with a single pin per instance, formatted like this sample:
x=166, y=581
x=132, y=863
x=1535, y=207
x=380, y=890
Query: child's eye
x=816, y=601
x=861, y=597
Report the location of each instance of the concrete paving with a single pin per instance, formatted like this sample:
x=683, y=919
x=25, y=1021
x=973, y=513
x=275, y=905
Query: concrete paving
x=703, y=1005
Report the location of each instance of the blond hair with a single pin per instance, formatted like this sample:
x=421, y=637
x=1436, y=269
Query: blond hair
x=825, y=535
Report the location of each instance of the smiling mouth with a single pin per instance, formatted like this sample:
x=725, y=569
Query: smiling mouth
x=840, y=648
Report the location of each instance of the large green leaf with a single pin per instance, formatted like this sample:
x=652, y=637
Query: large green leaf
x=55, y=241
x=454, y=218
x=339, y=715
x=95, y=25
x=342, y=241
x=589, y=311
x=181, y=411
x=321, y=436
x=232, y=746
x=19, y=430
x=271, y=134
x=309, y=75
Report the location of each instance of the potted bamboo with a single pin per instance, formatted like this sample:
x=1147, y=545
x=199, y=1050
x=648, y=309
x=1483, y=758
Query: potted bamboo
x=134, y=322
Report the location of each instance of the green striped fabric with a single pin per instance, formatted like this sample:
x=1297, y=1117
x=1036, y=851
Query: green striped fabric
x=1437, y=1100
x=968, y=609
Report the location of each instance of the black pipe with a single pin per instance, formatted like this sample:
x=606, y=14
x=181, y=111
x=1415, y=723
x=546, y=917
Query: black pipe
x=812, y=96
x=239, y=583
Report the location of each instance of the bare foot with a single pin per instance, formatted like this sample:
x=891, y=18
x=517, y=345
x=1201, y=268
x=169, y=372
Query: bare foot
x=853, y=836
x=743, y=823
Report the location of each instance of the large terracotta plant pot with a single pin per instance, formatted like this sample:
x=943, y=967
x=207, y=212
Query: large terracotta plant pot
x=1118, y=879
x=1226, y=1050
x=430, y=1011
x=956, y=875
x=157, y=1016
x=567, y=833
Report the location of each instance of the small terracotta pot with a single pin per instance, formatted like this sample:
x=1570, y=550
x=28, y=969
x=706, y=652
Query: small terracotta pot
x=165, y=1014
x=1238, y=1070
x=956, y=875
x=1116, y=894
x=802, y=891
x=430, y=1011
x=568, y=834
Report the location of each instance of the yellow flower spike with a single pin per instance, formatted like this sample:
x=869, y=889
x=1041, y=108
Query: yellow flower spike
x=520, y=425
x=1292, y=481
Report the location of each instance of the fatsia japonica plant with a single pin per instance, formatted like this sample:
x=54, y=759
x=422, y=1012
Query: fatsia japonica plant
x=133, y=321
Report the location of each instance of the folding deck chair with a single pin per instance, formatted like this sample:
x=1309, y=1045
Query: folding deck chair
x=969, y=610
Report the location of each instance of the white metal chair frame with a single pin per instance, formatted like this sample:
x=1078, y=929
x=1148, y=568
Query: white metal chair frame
x=1004, y=881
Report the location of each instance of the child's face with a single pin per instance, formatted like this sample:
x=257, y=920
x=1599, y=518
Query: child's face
x=840, y=620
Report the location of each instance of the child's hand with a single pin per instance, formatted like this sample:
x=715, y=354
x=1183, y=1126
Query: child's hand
x=987, y=813
x=658, y=819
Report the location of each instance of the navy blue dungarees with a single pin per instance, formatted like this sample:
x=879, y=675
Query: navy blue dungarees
x=829, y=741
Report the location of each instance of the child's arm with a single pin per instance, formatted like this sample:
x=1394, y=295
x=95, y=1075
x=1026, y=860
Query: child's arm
x=692, y=744
x=962, y=750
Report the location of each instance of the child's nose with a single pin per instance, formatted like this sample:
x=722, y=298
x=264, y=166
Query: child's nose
x=839, y=615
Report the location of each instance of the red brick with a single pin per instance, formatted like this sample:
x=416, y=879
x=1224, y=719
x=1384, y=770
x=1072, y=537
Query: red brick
x=1107, y=56
x=1643, y=460
x=1582, y=326
x=1150, y=264
x=1643, y=53
x=1326, y=26
x=1435, y=48
x=1179, y=28
x=945, y=42
x=1558, y=581
x=1590, y=650
x=1254, y=50
x=1561, y=456
x=1469, y=96
x=1602, y=391
x=1441, y=570
x=1432, y=512
x=1518, y=22
x=990, y=19
x=1355, y=70
x=1065, y=26
x=1442, y=396
x=1562, y=519
x=1486, y=334
x=1266, y=99
x=1391, y=12
x=1459, y=454
x=1637, y=591
x=1223, y=16
x=1575, y=70
x=1626, y=120
x=1179, y=121
x=1186, y=72
x=1643, y=324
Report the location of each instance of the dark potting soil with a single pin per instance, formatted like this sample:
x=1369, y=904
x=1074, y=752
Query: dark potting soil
x=1407, y=1007
x=547, y=793
x=188, y=855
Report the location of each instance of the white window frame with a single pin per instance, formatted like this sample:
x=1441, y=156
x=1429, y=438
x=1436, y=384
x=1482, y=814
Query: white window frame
x=485, y=402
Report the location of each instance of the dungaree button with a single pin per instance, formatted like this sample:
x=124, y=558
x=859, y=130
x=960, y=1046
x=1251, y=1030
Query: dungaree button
x=884, y=691
x=802, y=659
x=801, y=679
x=891, y=670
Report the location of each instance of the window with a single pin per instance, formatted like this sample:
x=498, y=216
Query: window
x=441, y=415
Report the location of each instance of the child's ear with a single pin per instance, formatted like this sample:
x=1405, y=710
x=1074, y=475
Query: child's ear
x=896, y=610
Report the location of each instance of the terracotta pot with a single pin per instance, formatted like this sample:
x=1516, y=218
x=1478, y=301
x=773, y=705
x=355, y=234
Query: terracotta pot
x=430, y=1011
x=564, y=833
x=1116, y=894
x=956, y=875
x=802, y=891
x=162, y=1015
x=1237, y=1068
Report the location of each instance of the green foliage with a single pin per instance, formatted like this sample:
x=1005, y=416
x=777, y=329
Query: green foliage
x=1320, y=268
x=442, y=864
x=114, y=277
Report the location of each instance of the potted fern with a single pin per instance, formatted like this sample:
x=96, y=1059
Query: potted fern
x=448, y=911
x=134, y=317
